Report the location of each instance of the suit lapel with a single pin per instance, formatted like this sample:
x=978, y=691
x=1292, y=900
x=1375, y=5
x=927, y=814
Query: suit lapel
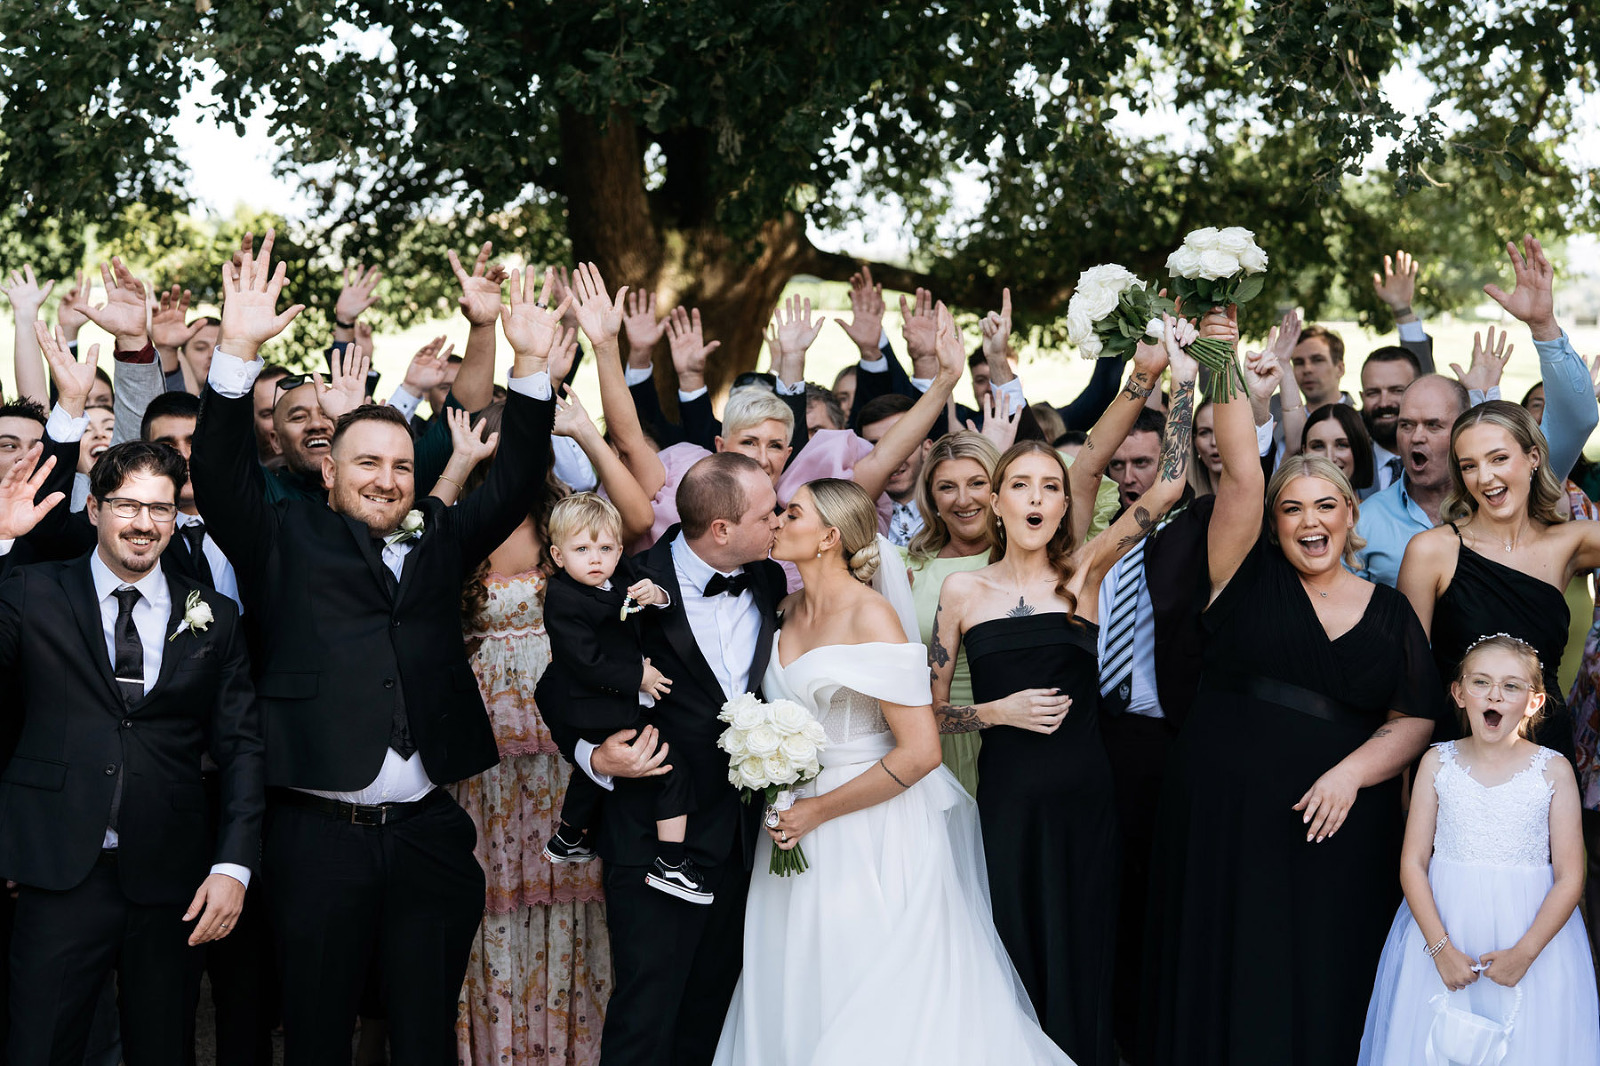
x=86, y=611
x=767, y=604
x=675, y=621
x=363, y=537
x=177, y=645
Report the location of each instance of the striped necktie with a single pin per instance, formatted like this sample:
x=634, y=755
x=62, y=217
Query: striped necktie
x=1116, y=666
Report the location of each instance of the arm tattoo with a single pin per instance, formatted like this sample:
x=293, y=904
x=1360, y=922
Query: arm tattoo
x=1021, y=610
x=1135, y=389
x=1146, y=524
x=1175, y=444
x=938, y=655
x=1382, y=732
x=957, y=719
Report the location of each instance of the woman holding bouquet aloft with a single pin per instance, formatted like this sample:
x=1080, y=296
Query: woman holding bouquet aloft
x=882, y=951
x=1273, y=876
x=1028, y=624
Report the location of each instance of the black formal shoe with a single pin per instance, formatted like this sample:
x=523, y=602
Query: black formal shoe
x=559, y=850
x=683, y=881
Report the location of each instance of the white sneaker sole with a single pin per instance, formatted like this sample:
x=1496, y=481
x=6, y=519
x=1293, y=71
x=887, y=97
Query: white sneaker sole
x=561, y=860
x=678, y=890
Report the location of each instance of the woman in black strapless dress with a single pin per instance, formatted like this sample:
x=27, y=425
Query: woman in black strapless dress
x=1504, y=555
x=1027, y=621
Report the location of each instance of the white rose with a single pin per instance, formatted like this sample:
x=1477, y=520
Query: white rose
x=798, y=750
x=753, y=773
x=1253, y=260
x=1234, y=240
x=1099, y=301
x=732, y=742
x=1091, y=347
x=789, y=717
x=730, y=708
x=1214, y=265
x=1184, y=263
x=762, y=741
x=412, y=522
x=747, y=718
x=1079, y=324
x=199, y=615
x=1202, y=239
x=815, y=733
x=778, y=770
x=1155, y=329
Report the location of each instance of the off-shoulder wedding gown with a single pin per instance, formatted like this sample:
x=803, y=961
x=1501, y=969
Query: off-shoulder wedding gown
x=883, y=951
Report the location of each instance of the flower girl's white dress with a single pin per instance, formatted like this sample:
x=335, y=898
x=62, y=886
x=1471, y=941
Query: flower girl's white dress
x=1490, y=873
x=884, y=951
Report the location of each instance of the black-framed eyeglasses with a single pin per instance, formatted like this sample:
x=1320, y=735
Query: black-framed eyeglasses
x=123, y=507
x=752, y=377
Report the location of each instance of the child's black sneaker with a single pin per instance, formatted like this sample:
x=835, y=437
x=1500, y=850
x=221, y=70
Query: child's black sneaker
x=684, y=881
x=559, y=849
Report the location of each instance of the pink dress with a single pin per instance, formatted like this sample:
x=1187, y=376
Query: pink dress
x=540, y=971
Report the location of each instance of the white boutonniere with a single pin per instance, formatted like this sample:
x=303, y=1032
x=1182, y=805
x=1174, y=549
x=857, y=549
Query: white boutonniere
x=410, y=528
x=196, y=615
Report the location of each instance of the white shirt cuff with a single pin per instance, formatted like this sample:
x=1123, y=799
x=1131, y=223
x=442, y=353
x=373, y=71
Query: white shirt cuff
x=63, y=428
x=786, y=389
x=231, y=376
x=1477, y=396
x=1264, y=435
x=536, y=386
x=1013, y=389
x=571, y=465
x=402, y=400
x=5, y=545
x=879, y=365
x=1412, y=331
x=692, y=394
x=582, y=755
x=239, y=873
x=637, y=375
x=922, y=384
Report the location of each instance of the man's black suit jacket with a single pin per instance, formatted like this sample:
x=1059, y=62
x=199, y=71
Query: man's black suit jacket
x=338, y=647
x=596, y=667
x=78, y=737
x=722, y=829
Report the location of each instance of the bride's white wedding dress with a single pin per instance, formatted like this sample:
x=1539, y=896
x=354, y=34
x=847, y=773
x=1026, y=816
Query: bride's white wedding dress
x=884, y=951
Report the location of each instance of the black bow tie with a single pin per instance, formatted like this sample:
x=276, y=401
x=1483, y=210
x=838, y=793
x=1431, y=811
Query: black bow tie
x=723, y=583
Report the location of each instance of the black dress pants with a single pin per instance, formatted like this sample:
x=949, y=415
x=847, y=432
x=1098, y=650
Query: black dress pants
x=410, y=893
x=675, y=965
x=63, y=947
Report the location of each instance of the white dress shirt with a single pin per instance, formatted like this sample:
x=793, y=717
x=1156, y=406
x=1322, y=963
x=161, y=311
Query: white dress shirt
x=1142, y=696
x=725, y=630
x=150, y=615
x=223, y=579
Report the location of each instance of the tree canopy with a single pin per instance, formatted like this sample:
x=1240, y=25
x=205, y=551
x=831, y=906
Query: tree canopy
x=699, y=148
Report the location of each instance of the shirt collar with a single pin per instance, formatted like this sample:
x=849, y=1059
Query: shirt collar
x=153, y=586
x=693, y=571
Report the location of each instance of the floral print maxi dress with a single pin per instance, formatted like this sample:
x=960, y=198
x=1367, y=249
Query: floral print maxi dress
x=540, y=972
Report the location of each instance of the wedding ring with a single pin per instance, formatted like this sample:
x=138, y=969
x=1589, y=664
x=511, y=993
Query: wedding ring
x=784, y=837
x=771, y=820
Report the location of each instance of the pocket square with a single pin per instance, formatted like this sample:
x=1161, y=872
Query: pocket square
x=204, y=651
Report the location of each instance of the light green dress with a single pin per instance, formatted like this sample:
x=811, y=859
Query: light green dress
x=927, y=578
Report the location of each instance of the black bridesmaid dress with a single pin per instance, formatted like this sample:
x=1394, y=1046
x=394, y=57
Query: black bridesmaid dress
x=1262, y=947
x=1486, y=596
x=1045, y=802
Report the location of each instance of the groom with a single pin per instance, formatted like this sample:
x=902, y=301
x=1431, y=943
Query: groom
x=676, y=963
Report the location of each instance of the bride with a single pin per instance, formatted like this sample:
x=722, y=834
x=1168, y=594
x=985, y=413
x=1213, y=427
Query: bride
x=884, y=949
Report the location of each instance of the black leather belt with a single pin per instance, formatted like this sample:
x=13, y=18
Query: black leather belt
x=356, y=813
x=1292, y=696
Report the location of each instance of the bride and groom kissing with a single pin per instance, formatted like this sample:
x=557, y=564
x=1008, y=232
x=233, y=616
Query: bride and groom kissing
x=862, y=957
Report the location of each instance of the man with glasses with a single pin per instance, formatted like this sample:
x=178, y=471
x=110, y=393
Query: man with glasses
x=126, y=673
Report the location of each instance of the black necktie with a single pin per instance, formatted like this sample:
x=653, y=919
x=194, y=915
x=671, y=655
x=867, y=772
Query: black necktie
x=129, y=670
x=195, y=534
x=733, y=585
x=399, y=725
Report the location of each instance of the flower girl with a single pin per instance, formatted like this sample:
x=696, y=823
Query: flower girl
x=1492, y=871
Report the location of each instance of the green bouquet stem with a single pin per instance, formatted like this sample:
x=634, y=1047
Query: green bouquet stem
x=784, y=862
x=1218, y=357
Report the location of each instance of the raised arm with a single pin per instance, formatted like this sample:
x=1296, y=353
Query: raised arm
x=1235, y=522
x=480, y=306
x=469, y=447
x=1396, y=287
x=874, y=469
x=27, y=296
x=1083, y=478
x=616, y=404
x=631, y=502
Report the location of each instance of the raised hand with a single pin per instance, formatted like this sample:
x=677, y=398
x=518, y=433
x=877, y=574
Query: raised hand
x=1149, y=359
x=561, y=289
x=1489, y=358
x=572, y=420
x=467, y=441
x=480, y=290
x=996, y=328
x=689, y=348
x=1288, y=335
x=169, y=328
x=71, y=312
x=358, y=294
x=598, y=314
x=124, y=315
x=792, y=332
x=644, y=329
x=1263, y=374
x=865, y=327
x=363, y=341
x=919, y=325
x=429, y=367
x=74, y=380
x=531, y=327
x=948, y=346
x=1000, y=426
x=1532, y=300
x=348, y=390
x=1398, y=283
x=26, y=294
x=18, y=513
x=1176, y=337
x=250, y=290
x=562, y=355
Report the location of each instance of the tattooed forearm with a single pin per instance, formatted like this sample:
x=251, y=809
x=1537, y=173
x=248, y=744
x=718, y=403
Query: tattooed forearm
x=957, y=719
x=1382, y=732
x=1176, y=444
x=1146, y=523
x=938, y=656
x=1137, y=387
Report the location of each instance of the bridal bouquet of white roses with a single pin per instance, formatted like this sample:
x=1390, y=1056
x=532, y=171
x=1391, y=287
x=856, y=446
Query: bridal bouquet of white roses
x=1215, y=268
x=1111, y=310
x=771, y=748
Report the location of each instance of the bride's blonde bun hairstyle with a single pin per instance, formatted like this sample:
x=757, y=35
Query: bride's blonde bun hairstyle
x=845, y=506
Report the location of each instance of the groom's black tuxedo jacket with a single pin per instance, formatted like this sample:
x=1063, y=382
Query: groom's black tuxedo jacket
x=721, y=829
x=340, y=641
x=78, y=737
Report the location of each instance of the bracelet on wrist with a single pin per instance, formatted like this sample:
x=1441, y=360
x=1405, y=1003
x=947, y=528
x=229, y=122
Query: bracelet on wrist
x=342, y=325
x=453, y=481
x=1433, y=952
x=1138, y=391
x=1401, y=312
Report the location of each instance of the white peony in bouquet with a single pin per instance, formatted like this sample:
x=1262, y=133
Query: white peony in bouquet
x=1215, y=268
x=771, y=748
x=1111, y=310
